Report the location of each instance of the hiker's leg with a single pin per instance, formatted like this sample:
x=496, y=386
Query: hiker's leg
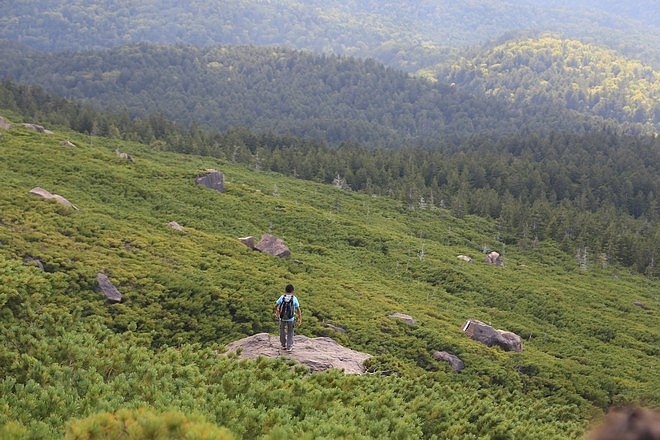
x=289, y=336
x=283, y=333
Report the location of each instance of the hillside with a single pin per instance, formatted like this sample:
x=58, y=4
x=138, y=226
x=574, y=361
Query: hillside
x=590, y=334
x=407, y=35
x=562, y=73
x=343, y=100
x=593, y=192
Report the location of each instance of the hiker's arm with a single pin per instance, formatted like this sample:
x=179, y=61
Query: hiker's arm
x=275, y=311
x=299, y=311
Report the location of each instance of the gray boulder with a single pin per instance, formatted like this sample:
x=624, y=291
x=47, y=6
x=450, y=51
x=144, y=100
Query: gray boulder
x=247, y=241
x=108, y=289
x=490, y=336
x=47, y=195
x=174, y=225
x=334, y=327
x=405, y=318
x=453, y=360
x=494, y=258
x=319, y=354
x=274, y=246
x=213, y=180
x=37, y=128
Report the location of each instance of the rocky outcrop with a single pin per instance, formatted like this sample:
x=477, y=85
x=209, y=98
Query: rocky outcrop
x=490, y=336
x=67, y=143
x=274, y=246
x=405, y=318
x=108, y=289
x=47, y=195
x=319, y=354
x=213, y=180
x=454, y=361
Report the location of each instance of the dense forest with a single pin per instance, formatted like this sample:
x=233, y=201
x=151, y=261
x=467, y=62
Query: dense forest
x=560, y=72
x=407, y=35
x=336, y=99
x=74, y=365
x=592, y=192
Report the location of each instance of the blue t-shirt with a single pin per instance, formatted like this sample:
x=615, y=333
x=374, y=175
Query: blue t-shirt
x=296, y=304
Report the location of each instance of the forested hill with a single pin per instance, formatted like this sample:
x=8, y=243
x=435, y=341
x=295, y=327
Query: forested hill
x=327, y=98
x=559, y=72
x=408, y=35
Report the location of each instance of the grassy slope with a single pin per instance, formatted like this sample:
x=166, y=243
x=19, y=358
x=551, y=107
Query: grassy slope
x=358, y=260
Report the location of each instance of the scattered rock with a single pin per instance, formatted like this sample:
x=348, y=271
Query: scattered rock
x=4, y=124
x=122, y=155
x=453, y=360
x=405, y=318
x=213, y=180
x=109, y=290
x=47, y=195
x=37, y=128
x=319, y=354
x=35, y=261
x=464, y=258
x=488, y=335
x=494, y=258
x=67, y=143
x=175, y=225
x=247, y=241
x=274, y=246
x=334, y=327
x=640, y=305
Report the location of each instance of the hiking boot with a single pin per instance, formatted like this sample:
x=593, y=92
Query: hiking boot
x=290, y=349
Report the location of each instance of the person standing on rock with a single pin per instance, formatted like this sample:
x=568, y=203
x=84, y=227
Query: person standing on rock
x=286, y=309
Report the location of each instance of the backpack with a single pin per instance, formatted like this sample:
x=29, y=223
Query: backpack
x=286, y=308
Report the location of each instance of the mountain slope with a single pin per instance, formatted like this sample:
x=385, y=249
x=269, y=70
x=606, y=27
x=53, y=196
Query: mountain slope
x=409, y=35
x=590, y=335
x=330, y=99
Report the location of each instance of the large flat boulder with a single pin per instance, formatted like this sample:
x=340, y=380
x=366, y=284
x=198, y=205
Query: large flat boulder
x=319, y=354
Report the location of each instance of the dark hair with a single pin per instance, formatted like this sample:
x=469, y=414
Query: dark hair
x=288, y=288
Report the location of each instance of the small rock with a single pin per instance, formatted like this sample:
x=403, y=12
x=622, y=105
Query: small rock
x=405, y=318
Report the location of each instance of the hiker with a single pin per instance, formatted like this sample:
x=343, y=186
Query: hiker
x=286, y=309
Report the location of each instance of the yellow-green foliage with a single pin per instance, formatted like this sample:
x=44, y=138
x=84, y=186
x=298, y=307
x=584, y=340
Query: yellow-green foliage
x=67, y=354
x=144, y=424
